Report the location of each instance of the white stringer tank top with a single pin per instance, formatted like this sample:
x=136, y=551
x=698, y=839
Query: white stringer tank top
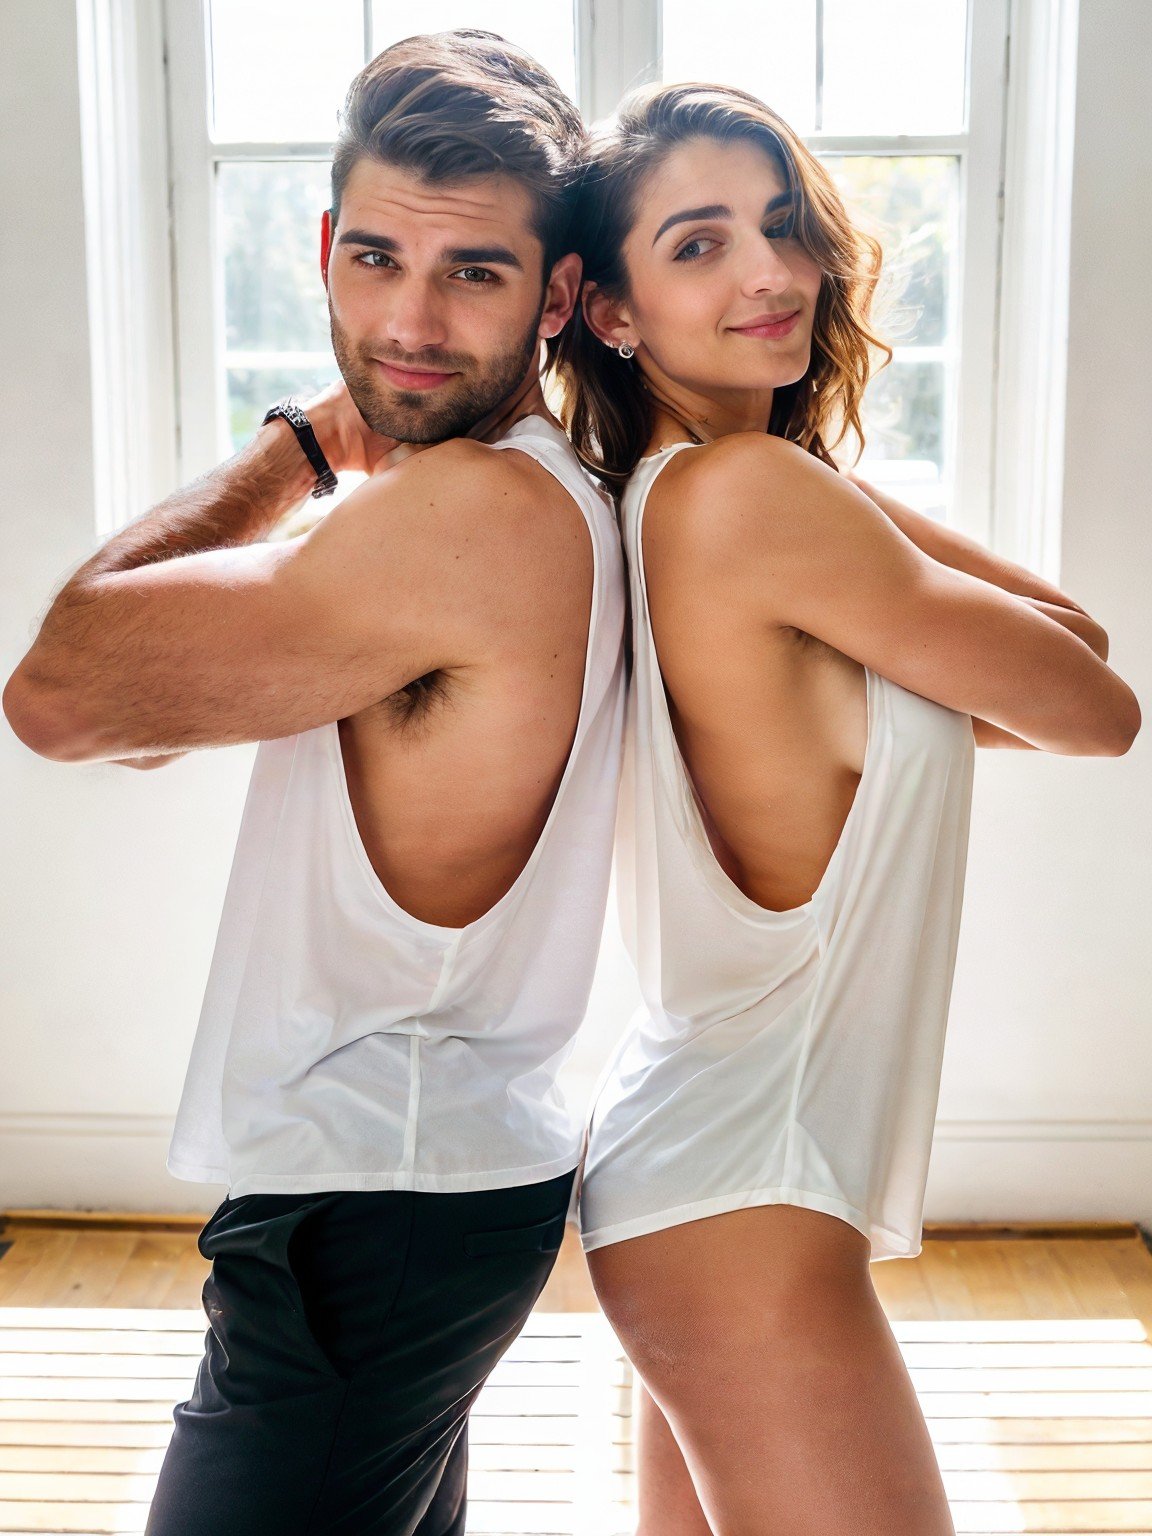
x=780, y=1057
x=344, y=1044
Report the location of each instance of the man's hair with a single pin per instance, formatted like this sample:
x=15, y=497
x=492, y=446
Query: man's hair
x=449, y=106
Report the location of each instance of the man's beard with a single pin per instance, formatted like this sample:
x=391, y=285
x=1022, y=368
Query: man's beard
x=430, y=416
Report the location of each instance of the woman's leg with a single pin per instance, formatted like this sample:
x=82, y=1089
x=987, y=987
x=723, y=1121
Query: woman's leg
x=761, y=1338
x=667, y=1500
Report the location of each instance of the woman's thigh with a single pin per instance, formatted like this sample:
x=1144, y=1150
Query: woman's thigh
x=761, y=1338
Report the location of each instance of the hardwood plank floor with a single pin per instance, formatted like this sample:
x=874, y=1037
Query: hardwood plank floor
x=1029, y=1351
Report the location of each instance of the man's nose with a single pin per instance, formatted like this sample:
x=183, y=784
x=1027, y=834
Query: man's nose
x=416, y=316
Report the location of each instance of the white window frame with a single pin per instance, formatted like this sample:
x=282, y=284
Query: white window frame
x=127, y=244
x=1015, y=179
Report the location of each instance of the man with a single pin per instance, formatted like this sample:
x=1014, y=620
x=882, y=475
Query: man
x=434, y=673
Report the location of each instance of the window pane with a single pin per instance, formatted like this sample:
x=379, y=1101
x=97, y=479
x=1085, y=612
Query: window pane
x=276, y=334
x=894, y=66
x=281, y=68
x=269, y=223
x=547, y=31
x=767, y=47
x=906, y=432
x=252, y=390
x=911, y=204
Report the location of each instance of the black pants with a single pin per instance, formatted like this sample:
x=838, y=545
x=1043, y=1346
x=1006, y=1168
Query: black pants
x=349, y=1336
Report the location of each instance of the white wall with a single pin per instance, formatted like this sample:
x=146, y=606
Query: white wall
x=111, y=881
x=1049, y=1036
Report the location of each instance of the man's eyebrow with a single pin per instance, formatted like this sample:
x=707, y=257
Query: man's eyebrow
x=484, y=256
x=715, y=211
x=365, y=237
x=470, y=255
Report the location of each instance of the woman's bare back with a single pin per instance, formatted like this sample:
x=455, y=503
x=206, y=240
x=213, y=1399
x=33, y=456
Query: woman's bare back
x=771, y=722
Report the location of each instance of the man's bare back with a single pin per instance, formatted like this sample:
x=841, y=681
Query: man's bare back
x=452, y=776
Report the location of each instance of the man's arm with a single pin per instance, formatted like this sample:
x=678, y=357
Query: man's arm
x=173, y=638
x=954, y=549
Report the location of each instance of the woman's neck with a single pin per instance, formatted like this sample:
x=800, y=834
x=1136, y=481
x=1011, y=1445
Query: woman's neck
x=702, y=418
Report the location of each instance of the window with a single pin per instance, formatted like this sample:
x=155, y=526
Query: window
x=895, y=97
x=255, y=86
x=904, y=103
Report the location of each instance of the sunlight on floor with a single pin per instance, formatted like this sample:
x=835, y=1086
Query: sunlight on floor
x=1040, y=1426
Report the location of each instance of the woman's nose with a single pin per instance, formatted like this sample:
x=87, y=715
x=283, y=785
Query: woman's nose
x=767, y=271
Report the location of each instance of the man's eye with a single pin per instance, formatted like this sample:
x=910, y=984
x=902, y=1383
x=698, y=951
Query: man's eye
x=374, y=258
x=477, y=275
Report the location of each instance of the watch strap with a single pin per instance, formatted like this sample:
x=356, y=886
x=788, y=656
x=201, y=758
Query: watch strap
x=306, y=437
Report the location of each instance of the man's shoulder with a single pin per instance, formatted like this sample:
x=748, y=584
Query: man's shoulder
x=514, y=504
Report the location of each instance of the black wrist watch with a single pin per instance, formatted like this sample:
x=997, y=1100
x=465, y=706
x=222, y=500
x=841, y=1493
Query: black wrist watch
x=296, y=419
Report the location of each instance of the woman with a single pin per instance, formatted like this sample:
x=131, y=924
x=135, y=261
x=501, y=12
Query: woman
x=813, y=665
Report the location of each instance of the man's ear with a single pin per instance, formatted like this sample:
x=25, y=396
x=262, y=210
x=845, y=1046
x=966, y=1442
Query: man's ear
x=607, y=318
x=325, y=243
x=561, y=295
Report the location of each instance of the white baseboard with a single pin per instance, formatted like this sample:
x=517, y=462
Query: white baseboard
x=94, y=1162
x=1041, y=1170
x=982, y=1170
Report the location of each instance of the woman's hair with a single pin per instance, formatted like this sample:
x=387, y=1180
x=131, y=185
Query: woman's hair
x=604, y=404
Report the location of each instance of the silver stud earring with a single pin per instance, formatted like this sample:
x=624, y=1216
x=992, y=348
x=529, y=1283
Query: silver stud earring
x=625, y=350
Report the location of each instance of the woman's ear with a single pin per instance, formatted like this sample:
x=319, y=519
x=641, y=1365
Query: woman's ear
x=607, y=318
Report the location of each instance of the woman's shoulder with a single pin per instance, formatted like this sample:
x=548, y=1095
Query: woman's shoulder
x=724, y=492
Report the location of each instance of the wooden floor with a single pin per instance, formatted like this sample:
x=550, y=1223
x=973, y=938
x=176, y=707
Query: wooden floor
x=1029, y=1350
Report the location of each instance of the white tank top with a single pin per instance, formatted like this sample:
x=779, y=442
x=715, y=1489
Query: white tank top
x=344, y=1044
x=780, y=1057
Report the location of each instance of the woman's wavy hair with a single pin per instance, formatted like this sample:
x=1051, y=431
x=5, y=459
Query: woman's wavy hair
x=603, y=401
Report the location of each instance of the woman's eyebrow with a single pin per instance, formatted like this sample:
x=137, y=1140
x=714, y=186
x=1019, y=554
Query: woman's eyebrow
x=712, y=211
x=715, y=211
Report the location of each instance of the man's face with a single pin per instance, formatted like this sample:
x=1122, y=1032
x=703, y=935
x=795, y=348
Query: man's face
x=436, y=297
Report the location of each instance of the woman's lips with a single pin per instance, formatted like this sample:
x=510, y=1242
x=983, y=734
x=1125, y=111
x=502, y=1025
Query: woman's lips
x=405, y=378
x=780, y=327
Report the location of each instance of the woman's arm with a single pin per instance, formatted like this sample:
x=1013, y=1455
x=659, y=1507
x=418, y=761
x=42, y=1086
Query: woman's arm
x=955, y=549
x=799, y=546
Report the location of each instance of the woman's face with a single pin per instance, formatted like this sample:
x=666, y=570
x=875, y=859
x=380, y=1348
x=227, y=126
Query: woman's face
x=722, y=296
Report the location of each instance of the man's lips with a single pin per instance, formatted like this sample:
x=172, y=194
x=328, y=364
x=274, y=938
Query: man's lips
x=769, y=325
x=409, y=378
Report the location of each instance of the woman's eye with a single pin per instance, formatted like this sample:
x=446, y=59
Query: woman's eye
x=693, y=249
x=783, y=231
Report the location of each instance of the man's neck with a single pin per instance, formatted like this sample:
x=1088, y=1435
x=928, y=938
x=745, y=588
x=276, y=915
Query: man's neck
x=526, y=400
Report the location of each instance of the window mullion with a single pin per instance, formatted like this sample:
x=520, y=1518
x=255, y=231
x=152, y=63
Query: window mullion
x=618, y=45
x=199, y=303
x=972, y=436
